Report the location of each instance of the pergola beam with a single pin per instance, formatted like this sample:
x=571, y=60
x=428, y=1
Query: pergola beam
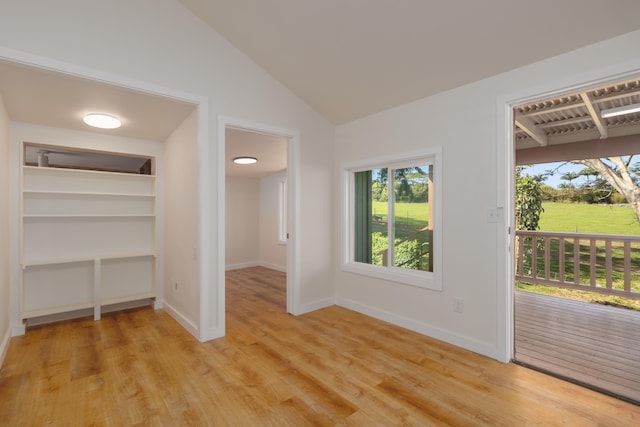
x=594, y=111
x=530, y=128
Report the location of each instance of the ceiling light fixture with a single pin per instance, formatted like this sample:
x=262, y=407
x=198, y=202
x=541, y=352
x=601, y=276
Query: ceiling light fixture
x=618, y=111
x=244, y=160
x=102, y=121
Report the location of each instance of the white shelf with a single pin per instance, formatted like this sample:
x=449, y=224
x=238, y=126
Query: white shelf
x=81, y=171
x=89, y=193
x=55, y=310
x=88, y=239
x=128, y=298
x=72, y=260
x=36, y=179
x=89, y=216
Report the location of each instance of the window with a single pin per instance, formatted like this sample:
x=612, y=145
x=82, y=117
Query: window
x=392, y=219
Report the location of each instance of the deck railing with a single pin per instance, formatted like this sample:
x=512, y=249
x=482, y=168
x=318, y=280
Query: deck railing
x=604, y=263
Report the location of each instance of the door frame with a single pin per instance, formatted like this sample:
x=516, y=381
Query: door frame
x=293, y=208
x=506, y=182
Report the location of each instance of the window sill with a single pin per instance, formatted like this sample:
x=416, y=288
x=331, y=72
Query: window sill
x=420, y=279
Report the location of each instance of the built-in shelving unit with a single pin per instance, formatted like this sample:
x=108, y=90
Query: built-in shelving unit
x=88, y=239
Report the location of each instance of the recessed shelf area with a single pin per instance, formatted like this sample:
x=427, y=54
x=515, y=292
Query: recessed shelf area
x=88, y=237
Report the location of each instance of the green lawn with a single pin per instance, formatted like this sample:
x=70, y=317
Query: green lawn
x=410, y=217
x=584, y=218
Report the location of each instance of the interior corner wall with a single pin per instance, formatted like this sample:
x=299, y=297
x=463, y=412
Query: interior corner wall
x=273, y=253
x=464, y=121
x=180, y=225
x=242, y=218
x=5, y=324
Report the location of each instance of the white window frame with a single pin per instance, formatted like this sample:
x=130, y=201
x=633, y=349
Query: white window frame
x=422, y=279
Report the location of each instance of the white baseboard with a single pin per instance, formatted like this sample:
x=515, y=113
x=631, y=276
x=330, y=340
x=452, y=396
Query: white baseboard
x=264, y=264
x=4, y=345
x=471, y=344
x=191, y=327
x=275, y=267
x=212, y=334
x=18, y=330
x=316, y=305
x=242, y=265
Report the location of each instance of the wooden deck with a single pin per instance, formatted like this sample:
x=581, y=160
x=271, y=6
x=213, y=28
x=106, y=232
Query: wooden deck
x=592, y=344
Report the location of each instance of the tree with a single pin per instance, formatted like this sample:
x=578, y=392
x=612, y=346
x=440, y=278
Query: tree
x=622, y=176
x=528, y=200
x=570, y=176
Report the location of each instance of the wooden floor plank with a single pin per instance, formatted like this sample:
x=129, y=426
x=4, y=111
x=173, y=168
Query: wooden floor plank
x=329, y=367
x=593, y=344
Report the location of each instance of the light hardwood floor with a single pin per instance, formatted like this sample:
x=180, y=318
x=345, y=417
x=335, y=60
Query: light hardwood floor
x=329, y=367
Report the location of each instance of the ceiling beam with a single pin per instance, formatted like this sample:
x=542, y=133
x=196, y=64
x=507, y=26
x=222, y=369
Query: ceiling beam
x=594, y=111
x=592, y=149
x=528, y=126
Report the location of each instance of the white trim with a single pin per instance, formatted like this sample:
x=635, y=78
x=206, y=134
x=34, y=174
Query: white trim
x=182, y=319
x=462, y=341
x=241, y=265
x=505, y=177
x=293, y=207
x=426, y=280
x=275, y=267
x=317, y=305
x=121, y=81
x=4, y=345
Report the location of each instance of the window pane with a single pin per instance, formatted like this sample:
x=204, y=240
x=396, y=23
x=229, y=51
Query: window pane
x=370, y=211
x=379, y=213
x=412, y=231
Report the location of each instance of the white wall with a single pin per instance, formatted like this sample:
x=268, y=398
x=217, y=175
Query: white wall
x=273, y=254
x=5, y=329
x=469, y=123
x=242, y=222
x=158, y=43
x=180, y=224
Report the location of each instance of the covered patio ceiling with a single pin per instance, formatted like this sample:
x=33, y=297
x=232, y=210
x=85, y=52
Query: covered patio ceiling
x=578, y=117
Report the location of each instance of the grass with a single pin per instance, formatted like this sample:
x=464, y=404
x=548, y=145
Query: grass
x=595, y=219
x=584, y=218
x=409, y=218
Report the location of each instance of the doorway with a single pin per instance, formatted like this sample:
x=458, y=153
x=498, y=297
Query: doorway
x=264, y=196
x=555, y=329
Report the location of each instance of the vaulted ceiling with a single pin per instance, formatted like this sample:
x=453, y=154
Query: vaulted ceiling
x=351, y=58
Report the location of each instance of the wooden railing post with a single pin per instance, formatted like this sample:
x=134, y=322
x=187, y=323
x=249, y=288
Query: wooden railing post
x=600, y=277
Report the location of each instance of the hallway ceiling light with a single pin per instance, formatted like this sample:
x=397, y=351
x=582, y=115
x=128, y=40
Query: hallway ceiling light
x=618, y=111
x=102, y=121
x=244, y=160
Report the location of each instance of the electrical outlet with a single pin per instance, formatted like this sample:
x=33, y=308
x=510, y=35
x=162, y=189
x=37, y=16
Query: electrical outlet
x=458, y=305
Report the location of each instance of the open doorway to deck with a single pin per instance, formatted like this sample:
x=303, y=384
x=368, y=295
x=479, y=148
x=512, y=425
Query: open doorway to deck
x=572, y=275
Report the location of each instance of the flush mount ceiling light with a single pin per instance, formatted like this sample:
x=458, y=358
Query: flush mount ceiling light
x=102, y=121
x=244, y=160
x=618, y=111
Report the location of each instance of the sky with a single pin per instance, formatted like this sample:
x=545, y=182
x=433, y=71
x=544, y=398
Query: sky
x=559, y=169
